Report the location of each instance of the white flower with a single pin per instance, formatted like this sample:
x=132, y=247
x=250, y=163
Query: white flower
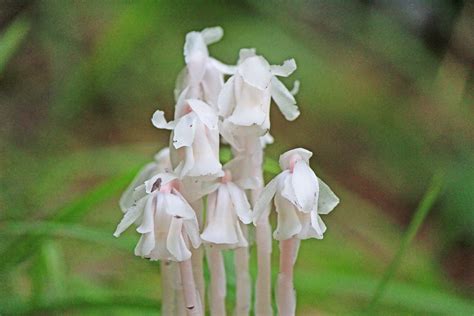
x=244, y=101
x=165, y=220
x=227, y=209
x=299, y=198
x=161, y=163
x=203, y=76
x=195, y=140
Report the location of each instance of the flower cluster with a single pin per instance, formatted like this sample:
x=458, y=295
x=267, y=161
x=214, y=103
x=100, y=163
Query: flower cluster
x=218, y=103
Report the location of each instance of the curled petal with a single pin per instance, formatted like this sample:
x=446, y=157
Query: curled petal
x=305, y=185
x=296, y=87
x=159, y=121
x=147, y=224
x=288, y=67
x=284, y=100
x=226, y=100
x=212, y=34
x=327, y=199
x=176, y=206
x=145, y=245
x=318, y=225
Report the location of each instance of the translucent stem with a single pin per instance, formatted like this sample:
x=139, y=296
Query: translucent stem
x=218, y=281
x=285, y=294
x=243, y=284
x=197, y=257
x=190, y=293
x=168, y=292
x=263, y=297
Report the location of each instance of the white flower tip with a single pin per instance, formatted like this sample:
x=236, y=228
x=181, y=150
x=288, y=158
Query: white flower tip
x=212, y=34
x=116, y=234
x=286, y=157
x=296, y=87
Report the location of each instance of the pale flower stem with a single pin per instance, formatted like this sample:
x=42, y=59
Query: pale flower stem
x=285, y=293
x=197, y=257
x=168, y=293
x=218, y=281
x=243, y=283
x=180, y=309
x=191, y=297
x=263, y=288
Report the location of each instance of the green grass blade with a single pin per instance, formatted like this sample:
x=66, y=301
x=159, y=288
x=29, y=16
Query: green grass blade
x=418, y=218
x=22, y=248
x=11, y=39
x=81, y=304
x=60, y=230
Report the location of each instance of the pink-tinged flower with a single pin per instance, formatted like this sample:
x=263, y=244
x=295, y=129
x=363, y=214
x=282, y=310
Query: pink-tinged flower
x=244, y=102
x=228, y=208
x=299, y=197
x=195, y=140
x=203, y=76
x=161, y=163
x=165, y=220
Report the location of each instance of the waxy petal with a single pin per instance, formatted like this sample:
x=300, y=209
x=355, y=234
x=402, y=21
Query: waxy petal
x=159, y=121
x=266, y=196
x=183, y=133
x=284, y=70
x=256, y=72
x=284, y=100
x=305, y=185
x=327, y=199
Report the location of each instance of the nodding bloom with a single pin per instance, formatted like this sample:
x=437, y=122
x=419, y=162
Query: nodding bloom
x=228, y=208
x=194, y=145
x=161, y=163
x=244, y=102
x=203, y=76
x=299, y=197
x=164, y=218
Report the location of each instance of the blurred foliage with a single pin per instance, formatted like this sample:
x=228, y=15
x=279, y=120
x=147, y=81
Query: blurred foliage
x=383, y=108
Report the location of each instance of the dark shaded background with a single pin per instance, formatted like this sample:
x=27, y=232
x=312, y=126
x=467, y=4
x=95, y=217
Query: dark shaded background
x=386, y=99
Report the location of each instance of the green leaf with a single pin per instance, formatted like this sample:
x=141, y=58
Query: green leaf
x=22, y=248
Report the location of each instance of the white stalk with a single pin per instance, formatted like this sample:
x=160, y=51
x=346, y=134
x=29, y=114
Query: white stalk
x=285, y=293
x=263, y=288
x=218, y=281
x=180, y=309
x=197, y=257
x=243, y=282
x=168, y=292
x=190, y=293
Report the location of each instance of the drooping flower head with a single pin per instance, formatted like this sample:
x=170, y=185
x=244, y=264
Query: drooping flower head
x=228, y=208
x=203, y=76
x=194, y=141
x=244, y=102
x=299, y=197
x=164, y=218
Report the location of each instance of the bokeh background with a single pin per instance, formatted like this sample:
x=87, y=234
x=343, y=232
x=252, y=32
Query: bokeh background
x=386, y=99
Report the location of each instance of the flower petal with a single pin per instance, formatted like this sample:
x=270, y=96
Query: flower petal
x=127, y=199
x=204, y=112
x=176, y=206
x=240, y=202
x=148, y=222
x=175, y=241
x=159, y=121
x=305, y=185
x=318, y=225
x=145, y=245
x=288, y=67
x=132, y=214
x=183, y=133
x=288, y=223
x=266, y=196
x=163, y=178
x=327, y=199
x=245, y=53
x=221, y=67
x=226, y=100
x=256, y=72
x=284, y=100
